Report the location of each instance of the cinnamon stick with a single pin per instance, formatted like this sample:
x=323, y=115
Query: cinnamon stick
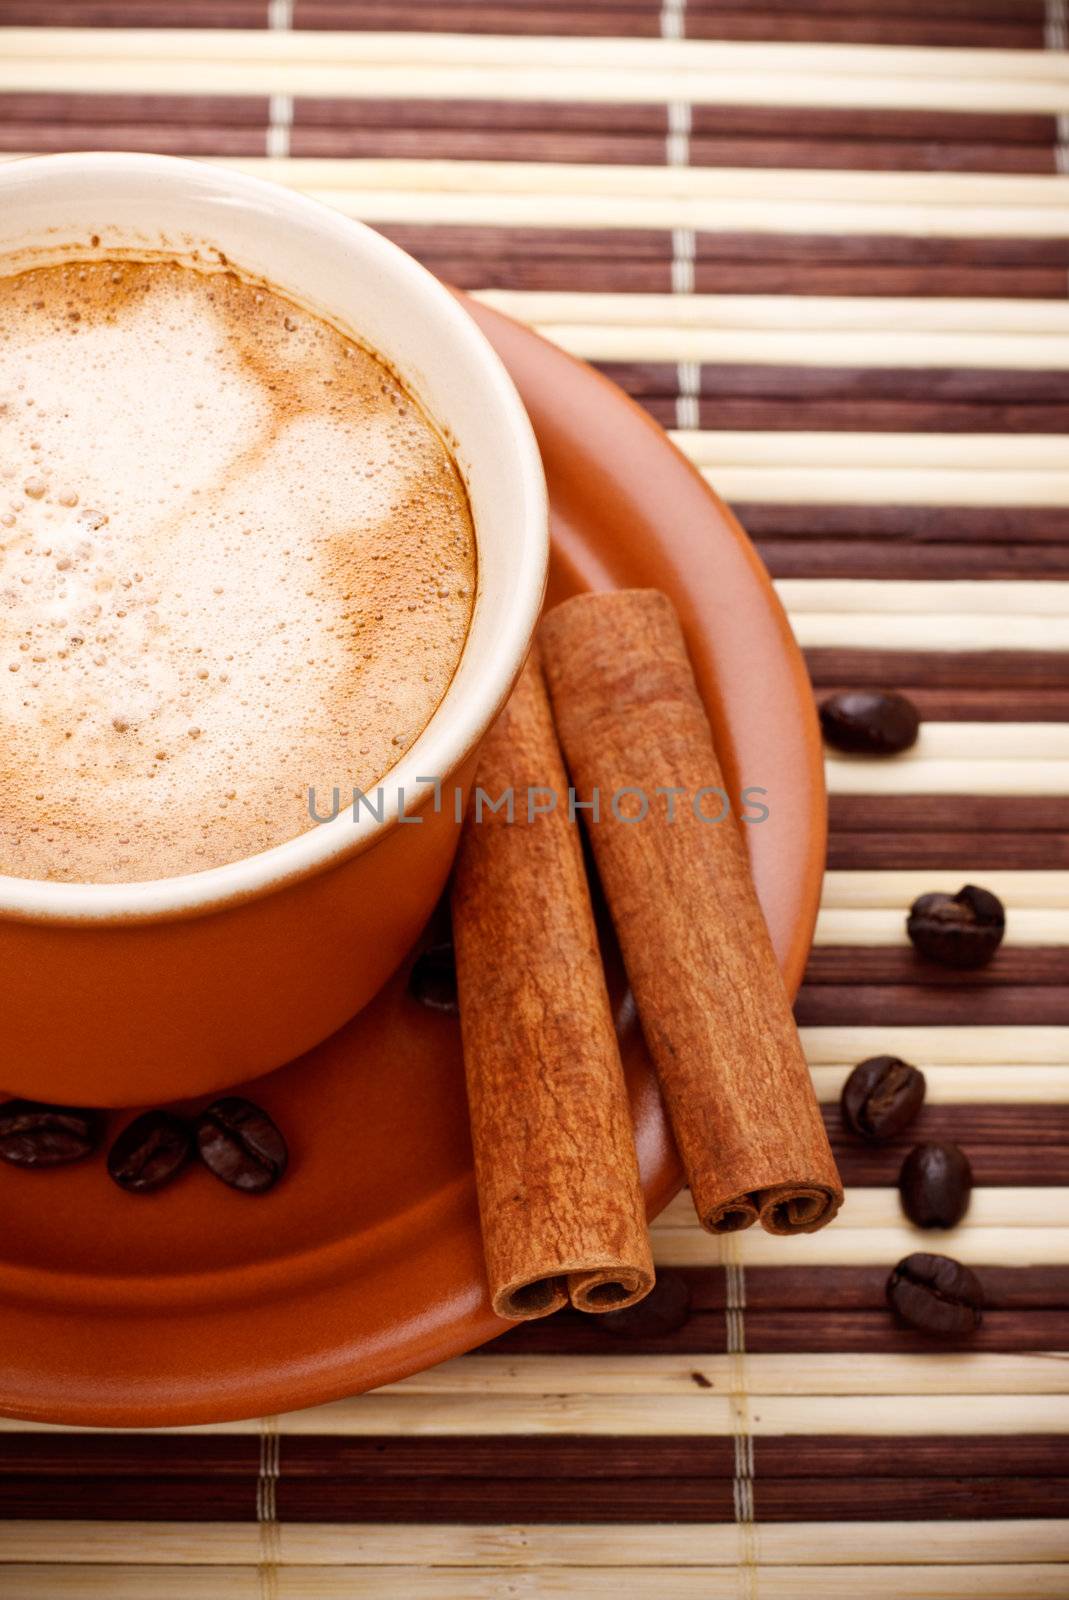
x=707, y=986
x=559, y=1195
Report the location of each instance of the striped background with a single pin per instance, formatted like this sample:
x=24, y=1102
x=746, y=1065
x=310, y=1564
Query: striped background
x=826, y=243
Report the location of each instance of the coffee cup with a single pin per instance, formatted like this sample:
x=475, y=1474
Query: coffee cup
x=123, y=993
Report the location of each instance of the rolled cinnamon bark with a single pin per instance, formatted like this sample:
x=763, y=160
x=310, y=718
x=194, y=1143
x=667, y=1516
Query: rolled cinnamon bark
x=707, y=986
x=555, y=1165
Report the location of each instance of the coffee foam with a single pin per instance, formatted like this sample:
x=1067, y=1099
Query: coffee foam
x=237, y=561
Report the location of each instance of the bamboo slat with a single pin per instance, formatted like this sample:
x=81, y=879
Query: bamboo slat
x=702, y=1413
x=933, y=127
x=956, y=633
x=893, y=890
x=329, y=1544
x=467, y=1499
x=925, y=599
x=172, y=73
x=871, y=348
x=960, y=708
x=946, y=1046
x=1004, y=1206
x=517, y=1459
x=961, y=1085
x=681, y=55
x=976, y=251
x=977, y=1246
x=919, y=1002
x=844, y=890
x=920, y=815
x=880, y=850
x=884, y=486
x=856, y=313
x=645, y=149
x=886, y=926
x=1034, y=1581
x=994, y=1164
x=971, y=452
x=1033, y=968
x=958, y=778
x=1021, y=30
x=943, y=190
x=765, y=1375
x=971, y=741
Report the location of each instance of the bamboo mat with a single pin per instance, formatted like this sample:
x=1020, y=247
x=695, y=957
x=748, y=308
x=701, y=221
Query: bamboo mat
x=827, y=245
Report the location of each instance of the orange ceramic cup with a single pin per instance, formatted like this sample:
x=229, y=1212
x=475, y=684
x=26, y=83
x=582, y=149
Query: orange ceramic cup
x=125, y=994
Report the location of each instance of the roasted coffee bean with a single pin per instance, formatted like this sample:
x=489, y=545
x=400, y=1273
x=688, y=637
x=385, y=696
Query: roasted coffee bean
x=36, y=1135
x=869, y=722
x=960, y=930
x=241, y=1145
x=150, y=1151
x=935, y=1184
x=434, y=978
x=936, y=1294
x=881, y=1097
x=664, y=1311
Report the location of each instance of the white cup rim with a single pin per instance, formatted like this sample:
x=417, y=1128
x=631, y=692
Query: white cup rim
x=445, y=741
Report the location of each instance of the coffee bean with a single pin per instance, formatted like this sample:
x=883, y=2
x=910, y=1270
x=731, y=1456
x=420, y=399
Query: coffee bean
x=869, y=722
x=881, y=1097
x=935, y=1184
x=241, y=1145
x=962, y=930
x=36, y=1135
x=664, y=1311
x=150, y=1151
x=936, y=1294
x=433, y=981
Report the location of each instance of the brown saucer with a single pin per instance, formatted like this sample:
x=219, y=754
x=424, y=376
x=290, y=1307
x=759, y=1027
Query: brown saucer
x=201, y=1304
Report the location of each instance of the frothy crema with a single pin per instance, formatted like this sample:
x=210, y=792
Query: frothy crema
x=236, y=561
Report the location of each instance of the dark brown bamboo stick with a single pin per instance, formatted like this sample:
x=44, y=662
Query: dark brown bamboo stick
x=876, y=1006
x=929, y=813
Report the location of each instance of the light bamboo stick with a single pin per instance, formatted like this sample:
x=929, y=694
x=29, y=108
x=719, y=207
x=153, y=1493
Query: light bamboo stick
x=756, y=346
x=978, y=741
x=577, y=1545
x=845, y=890
x=853, y=485
x=926, y=597
x=858, y=313
x=766, y=1375
x=861, y=186
x=969, y=452
x=967, y=1045
x=884, y=926
x=703, y=1413
x=858, y=775
x=505, y=50
x=882, y=631
x=168, y=73
x=965, y=1085
x=1037, y=1581
x=989, y=1207
x=853, y=1247
x=464, y=202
